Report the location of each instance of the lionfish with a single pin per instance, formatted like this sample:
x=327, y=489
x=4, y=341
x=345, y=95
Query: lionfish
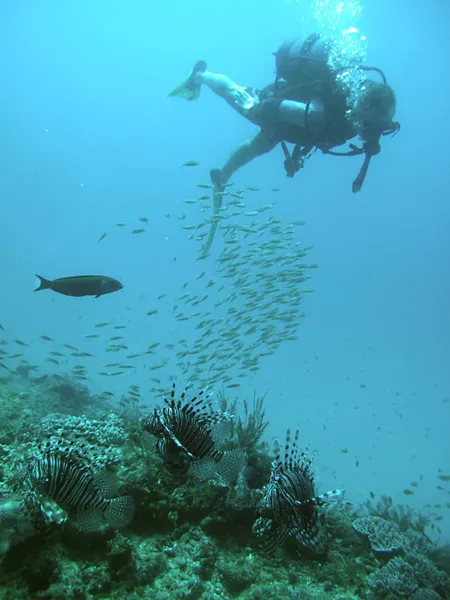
x=290, y=506
x=60, y=475
x=189, y=436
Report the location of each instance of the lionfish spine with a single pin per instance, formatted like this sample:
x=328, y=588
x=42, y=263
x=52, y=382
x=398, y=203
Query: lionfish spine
x=322, y=498
x=185, y=425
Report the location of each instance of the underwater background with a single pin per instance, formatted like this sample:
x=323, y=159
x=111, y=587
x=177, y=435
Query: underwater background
x=91, y=144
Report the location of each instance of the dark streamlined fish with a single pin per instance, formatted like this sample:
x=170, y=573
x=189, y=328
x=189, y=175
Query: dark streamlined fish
x=82, y=285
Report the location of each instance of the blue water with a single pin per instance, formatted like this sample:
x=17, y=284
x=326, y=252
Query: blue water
x=89, y=139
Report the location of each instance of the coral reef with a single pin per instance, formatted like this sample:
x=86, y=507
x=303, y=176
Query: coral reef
x=384, y=536
x=397, y=577
x=191, y=536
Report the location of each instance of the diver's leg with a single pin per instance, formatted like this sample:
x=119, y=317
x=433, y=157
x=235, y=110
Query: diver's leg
x=244, y=153
x=235, y=95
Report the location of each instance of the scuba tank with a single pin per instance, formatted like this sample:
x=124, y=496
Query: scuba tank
x=303, y=60
x=302, y=67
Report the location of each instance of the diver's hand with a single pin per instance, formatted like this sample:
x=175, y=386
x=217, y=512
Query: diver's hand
x=242, y=99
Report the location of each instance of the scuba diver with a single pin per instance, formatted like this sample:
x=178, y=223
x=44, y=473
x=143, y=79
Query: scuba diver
x=307, y=105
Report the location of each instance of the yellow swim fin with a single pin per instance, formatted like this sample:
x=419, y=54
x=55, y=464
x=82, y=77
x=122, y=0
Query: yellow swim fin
x=189, y=89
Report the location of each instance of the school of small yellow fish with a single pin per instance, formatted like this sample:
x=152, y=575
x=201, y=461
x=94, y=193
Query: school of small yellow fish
x=250, y=306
